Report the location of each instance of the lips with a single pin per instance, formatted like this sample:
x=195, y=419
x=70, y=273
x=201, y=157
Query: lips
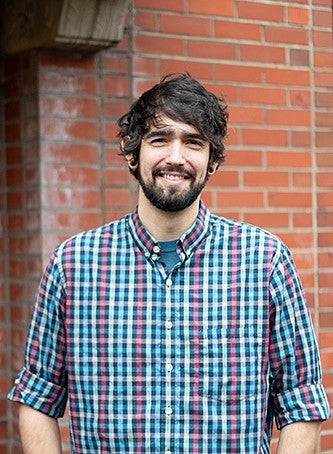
x=173, y=174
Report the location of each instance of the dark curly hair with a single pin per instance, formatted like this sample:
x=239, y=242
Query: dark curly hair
x=184, y=99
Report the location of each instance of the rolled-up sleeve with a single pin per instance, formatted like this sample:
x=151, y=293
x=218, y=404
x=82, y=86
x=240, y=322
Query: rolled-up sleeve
x=297, y=393
x=42, y=383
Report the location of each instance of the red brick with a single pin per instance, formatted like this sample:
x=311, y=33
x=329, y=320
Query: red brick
x=325, y=199
x=302, y=180
x=301, y=139
x=115, y=63
x=116, y=200
x=323, y=59
x=189, y=25
x=116, y=177
x=237, y=30
x=69, y=153
x=145, y=65
x=12, y=132
x=325, y=259
x=68, y=106
x=211, y=49
x=325, y=219
x=260, y=11
x=146, y=21
x=324, y=159
x=322, y=18
x=324, y=79
x=74, y=198
x=224, y=177
x=325, y=300
x=325, y=239
x=277, y=137
x=324, y=99
x=266, y=179
x=62, y=82
x=248, y=158
x=262, y=53
x=13, y=155
x=324, y=139
x=171, y=5
x=116, y=86
x=267, y=219
x=70, y=175
x=263, y=96
x=300, y=98
x=246, y=115
x=240, y=199
x=289, y=199
x=71, y=221
x=297, y=241
x=158, y=44
x=213, y=7
x=290, y=35
x=326, y=281
x=64, y=61
x=302, y=219
x=289, y=117
x=289, y=159
x=110, y=131
x=299, y=57
x=69, y=129
x=199, y=70
x=322, y=38
x=238, y=73
x=325, y=179
x=299, y=16
x=287, y=77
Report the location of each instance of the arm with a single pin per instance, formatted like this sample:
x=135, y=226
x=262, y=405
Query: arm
x=299, y=438
x=39, y=432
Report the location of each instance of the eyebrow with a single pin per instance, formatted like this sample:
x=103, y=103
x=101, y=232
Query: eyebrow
x=171, y=133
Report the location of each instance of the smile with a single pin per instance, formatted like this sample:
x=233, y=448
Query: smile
x=173, y=177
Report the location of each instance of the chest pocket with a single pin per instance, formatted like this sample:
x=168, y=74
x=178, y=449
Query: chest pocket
x=230, y=363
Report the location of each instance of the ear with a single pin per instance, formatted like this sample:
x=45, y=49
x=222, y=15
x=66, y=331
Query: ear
x=131, y=162
x=212, y=168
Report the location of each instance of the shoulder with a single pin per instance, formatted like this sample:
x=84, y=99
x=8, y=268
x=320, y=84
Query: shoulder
x=239, y=229
x=97, y=239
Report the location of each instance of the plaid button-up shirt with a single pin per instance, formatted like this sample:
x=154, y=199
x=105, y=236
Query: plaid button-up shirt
x=199, y=360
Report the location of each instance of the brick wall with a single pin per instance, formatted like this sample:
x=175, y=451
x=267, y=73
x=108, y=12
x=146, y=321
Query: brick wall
x=60, y=172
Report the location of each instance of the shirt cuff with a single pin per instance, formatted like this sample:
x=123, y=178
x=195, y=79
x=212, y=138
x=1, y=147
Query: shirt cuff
x=38, y=393
x=305, y=403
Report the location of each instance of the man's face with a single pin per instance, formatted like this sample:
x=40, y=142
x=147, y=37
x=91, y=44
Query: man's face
x=173, y=165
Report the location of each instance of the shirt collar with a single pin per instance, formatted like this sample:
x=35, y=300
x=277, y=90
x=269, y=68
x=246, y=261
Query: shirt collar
x=189, y=240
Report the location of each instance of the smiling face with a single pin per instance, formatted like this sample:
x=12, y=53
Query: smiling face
x=173, y=164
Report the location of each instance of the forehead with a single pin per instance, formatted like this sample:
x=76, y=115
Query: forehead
x=164, y=123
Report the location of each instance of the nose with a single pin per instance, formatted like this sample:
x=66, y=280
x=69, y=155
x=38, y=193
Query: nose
x=175, y=154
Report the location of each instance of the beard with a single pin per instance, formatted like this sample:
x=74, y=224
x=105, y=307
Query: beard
x=171, y=199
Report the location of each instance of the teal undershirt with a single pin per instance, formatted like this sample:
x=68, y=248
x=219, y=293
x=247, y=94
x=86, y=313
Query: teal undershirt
x=169, y=256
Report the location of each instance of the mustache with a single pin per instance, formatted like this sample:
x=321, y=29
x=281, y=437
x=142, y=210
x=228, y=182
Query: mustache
x=177, y=169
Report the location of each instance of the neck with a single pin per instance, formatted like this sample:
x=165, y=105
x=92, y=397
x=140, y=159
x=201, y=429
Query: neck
x=166, y=225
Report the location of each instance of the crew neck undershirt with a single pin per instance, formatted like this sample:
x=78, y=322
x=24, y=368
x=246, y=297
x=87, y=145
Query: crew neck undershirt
x=169, y=256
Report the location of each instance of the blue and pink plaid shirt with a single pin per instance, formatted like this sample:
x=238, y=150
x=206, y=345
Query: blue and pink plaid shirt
x=199, y=360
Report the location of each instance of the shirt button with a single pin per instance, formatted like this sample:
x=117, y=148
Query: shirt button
x=156, y=249
x=168, y=282
x=169, y=367
x=168, y=410
x=168, y=324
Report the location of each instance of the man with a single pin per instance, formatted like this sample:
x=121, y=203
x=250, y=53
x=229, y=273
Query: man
x=171, y=330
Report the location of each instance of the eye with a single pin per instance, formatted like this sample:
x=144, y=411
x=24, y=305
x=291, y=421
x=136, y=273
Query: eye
x=158, y=141
x=195, y=144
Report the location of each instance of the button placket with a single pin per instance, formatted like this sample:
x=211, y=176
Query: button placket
x=169, y=325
